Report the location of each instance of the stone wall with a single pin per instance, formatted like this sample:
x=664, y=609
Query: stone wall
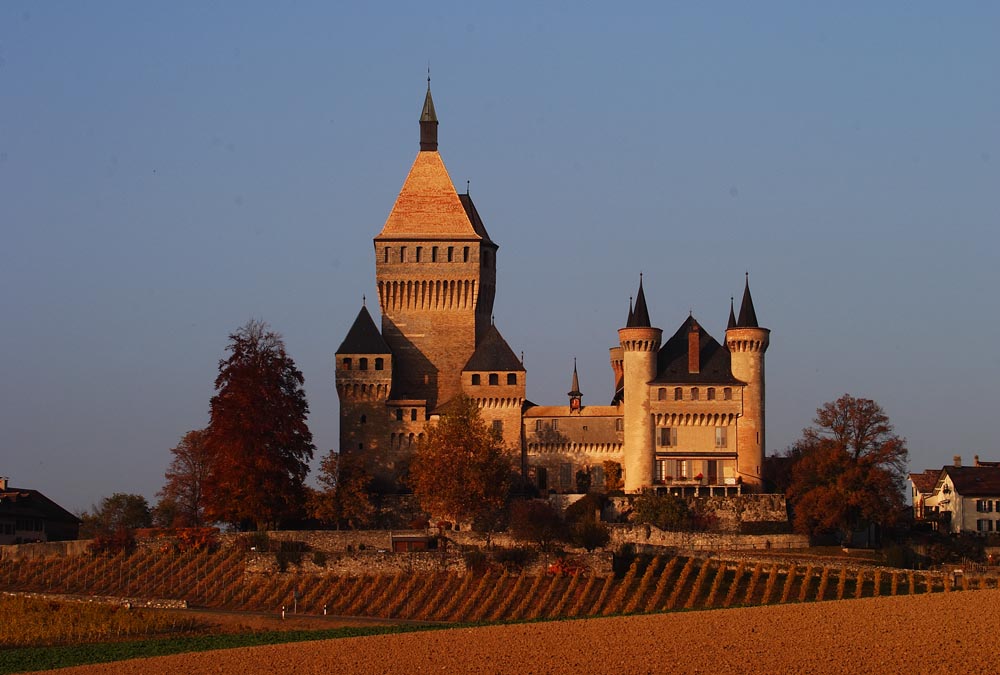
x=44, y=549
x=732, y=514
x=647, y=535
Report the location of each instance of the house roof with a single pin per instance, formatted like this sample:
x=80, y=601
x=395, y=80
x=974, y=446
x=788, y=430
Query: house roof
x=364, y=337
x=975, y=481
x=493, y=353
x=24, y=503
x=564, y=411
x=714, y=359
x=924, y=482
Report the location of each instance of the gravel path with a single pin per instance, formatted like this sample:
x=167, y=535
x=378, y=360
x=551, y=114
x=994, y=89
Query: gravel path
x=942, y=632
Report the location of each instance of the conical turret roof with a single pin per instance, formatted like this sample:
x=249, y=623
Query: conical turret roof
x=732, y=315
x=748, y=317
x=364, y=337
x=640, y=315
x=575, y=391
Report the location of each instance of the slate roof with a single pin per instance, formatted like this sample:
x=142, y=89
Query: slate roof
x=975, y=481
x=672, y=361
x=925, y=482
x=473, y=214
x=24, y=503
x=639, y=318
x=493, y=353
x=748, y=317
x=364, y=337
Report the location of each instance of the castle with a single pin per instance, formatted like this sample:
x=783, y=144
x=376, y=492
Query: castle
x=688, y=414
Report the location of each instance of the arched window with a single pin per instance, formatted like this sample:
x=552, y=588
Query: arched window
x=494, y=378
x=346, y=364
x=678, y=394
x=362, y=364
x=694, y=393
x=413, y=416
x=711, y=393
x=399, y=414
x=727, y=394
x=379, y=363
x=476, y=379
x=511, y=378
x=661, y=394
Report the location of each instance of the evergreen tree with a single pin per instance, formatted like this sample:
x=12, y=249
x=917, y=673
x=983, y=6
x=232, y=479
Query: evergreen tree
x=257, y=440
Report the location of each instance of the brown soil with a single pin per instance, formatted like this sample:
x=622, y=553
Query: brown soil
x=904, y=635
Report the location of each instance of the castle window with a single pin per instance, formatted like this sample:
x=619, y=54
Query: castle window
x=465, y=254
x=476, y=379
x=555, y=425
x=539, y=425
x=720, y=437
x=668, y=437
x=661, y=471
x=364, y=419
x=984, y=506
x=413, y=415
x=682, y=468
x=678, y=394
x=402, y=254
x=379, y=363
x=597, y=476
x=362, y=364
x=434, y=253
x=451, y=254
x=386, y=258
x=511, y=378
x=694, y=394
x=727, y=394
x=542, y=477
x=347, y=364
x=494, y=378
x=399, y=414
x=498, y=427
x=419, y=251
x=711, y=393
x=566, y=476
x=619, y=424
x=661, y=394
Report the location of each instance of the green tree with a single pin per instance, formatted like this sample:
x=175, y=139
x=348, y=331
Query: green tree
x=461, y=471
x=120, y=511
x=257, y=439
x=182, y=501
x=344, y=497
x=665, y=511
x=850, y=469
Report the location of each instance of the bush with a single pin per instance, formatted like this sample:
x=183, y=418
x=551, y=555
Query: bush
x=585, y=509
x=513, y=559
x=591, y=534
x=475, y=561
x=583, y=480
x=319, y=558
x=665, y=511
x=537, y=521
x=121, y=540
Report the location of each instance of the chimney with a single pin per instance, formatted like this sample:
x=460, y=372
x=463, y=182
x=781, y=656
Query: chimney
x=957, y=459
x=975, y=460
x=694, y=348
x=3, y=482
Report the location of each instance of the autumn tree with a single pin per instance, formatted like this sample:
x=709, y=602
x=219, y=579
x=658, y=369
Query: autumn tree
x=461, y=470
x=344, y=497
x=536, y=520
x=257, y=440
x=849, y=471
x=182, y=502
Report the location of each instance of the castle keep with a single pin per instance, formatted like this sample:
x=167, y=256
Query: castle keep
x=688, y=413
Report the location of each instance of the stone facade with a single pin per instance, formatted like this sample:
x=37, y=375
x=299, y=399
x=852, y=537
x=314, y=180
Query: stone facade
x=687, y=413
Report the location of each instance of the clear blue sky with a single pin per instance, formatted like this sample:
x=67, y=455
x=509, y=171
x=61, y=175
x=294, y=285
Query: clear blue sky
x=169, y=170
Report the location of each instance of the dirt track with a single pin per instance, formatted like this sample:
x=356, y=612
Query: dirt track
x=953, y=632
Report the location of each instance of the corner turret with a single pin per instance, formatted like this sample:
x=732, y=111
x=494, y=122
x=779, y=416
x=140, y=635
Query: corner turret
x=575, y=395
x=747, y=342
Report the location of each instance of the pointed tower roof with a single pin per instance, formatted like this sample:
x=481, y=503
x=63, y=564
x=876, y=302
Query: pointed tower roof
x=576, y=382
x=364, y=337
x=428, y=122
x=732, y=315
x=628, y=321
x=748, y=317
x=493, y=353
x=640, y=315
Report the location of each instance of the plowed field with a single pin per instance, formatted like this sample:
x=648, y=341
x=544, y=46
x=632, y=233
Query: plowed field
x=942, y=632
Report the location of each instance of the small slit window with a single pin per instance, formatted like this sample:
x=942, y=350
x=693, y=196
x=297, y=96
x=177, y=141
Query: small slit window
x=413, y=415
x=418, y=252
x=451, y=254
x=399, y=414
x=402, y=254
x=385, y=257
x=364, y=419
x=434, y=254
x=465, y=254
